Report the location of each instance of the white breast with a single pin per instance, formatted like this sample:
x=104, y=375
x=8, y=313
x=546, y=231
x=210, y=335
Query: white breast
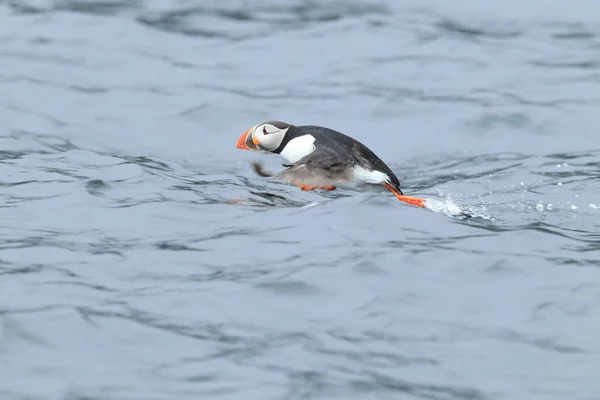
x=298, y=147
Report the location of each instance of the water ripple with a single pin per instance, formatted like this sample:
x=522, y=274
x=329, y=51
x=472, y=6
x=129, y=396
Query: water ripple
x=142, y=258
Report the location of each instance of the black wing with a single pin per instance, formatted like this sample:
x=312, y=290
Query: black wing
x=350, y=149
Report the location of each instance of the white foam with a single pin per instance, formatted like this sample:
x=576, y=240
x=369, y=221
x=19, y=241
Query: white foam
x=448, y=207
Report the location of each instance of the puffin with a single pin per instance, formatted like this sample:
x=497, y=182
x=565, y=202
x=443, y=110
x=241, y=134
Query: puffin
x=321, y=158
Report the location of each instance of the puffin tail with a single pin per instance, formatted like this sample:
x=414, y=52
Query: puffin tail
x=415, y=201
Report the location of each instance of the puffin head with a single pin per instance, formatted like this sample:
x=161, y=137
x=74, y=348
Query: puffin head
x=266, y=136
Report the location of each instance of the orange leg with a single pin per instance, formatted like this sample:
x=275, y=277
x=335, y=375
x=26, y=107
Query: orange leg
x=415, y=201
x=307, y=187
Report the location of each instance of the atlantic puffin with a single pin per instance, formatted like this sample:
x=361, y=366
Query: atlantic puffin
x=322, y=158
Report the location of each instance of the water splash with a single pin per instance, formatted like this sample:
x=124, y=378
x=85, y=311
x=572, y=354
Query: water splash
x=448, y=207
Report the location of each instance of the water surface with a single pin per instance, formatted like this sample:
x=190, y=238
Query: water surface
x=141, y=258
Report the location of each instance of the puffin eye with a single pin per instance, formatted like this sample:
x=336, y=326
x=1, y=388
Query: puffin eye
x=265, y=130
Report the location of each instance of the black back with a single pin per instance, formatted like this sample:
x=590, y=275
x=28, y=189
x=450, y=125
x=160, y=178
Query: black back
x=328, y=141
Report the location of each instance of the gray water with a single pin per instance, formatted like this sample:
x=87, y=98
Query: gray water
x=142, y=258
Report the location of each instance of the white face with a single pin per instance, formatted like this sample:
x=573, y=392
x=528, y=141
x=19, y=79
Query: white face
x=268, y=136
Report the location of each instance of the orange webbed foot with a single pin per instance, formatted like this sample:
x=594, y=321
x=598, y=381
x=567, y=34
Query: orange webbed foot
x=415, y=201
x=309, y=187
x=303, y=186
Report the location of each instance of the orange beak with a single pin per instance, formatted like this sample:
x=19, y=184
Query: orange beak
x=246, y=141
